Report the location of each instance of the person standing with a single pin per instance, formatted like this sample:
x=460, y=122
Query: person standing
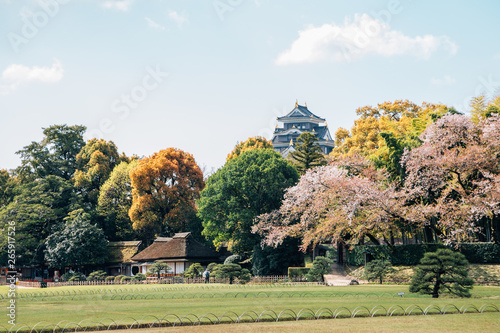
x=206, y=275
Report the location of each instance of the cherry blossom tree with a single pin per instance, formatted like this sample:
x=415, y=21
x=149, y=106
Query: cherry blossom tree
x=331, y=204
x=452, y=180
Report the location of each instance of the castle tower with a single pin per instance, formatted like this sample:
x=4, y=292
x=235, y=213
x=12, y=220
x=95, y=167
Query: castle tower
x=296, y=122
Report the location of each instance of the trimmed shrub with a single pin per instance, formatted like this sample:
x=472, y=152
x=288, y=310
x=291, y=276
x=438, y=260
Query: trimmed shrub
x=320, y=266
x=75, y=277
x=194, y=271
x=109, y=278
x=126, y=278
x=378, y=270
x=118, y=278
x=139, y=277
x=97, y=276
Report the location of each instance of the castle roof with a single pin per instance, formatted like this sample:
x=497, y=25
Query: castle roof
x=301, y=112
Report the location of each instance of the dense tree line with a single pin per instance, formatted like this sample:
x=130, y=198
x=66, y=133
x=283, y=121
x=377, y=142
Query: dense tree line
x=404, y=171
x=69, y=198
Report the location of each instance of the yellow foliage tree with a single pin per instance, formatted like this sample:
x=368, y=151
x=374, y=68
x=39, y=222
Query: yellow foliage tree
x=381, y=133
x=257, y=142
x=94, y=164
x=164, y=189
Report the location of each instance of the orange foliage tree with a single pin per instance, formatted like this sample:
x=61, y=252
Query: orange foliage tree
x=164, y=189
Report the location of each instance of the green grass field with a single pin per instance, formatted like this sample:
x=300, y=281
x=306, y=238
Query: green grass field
x=108, y=304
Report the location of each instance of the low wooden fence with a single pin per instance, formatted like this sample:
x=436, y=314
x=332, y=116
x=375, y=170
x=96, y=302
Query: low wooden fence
x=166, y=280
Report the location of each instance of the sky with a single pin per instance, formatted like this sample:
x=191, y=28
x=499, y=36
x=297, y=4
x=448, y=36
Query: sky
x=203, y=75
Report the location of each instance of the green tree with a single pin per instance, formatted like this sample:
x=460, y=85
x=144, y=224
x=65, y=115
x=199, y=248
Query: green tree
x=320, y=267
x=79, y=243
x=307, y=153
x=159, y=268
x=115, y=200
x=54, y=155
x=443, y=271
x=94, y=163
x=38, y=209
x=232, y=271
x=8, y=186
x=249, y=185
x=378, y=269
x=194, y=271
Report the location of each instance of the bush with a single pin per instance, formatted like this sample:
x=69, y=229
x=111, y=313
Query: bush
x=139, y=277
x=212, y=268
x=232, y=271
x=159, y=268
x=75, y=277
x=97, y=276
x=118, y=278
x=378, y=269
x=109, y=278
x=126, y=278
x=245, y=276
x=297, y=272
x=320, y=266
x=194, y=271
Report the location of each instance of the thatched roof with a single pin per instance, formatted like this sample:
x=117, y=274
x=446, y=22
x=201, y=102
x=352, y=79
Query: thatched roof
x=122, y=252
x=181, y=247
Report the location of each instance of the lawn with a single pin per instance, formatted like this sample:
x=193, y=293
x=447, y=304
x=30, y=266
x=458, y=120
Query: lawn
x=112, y=303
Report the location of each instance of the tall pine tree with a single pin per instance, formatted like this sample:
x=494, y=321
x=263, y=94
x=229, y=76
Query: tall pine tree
x=307, y=153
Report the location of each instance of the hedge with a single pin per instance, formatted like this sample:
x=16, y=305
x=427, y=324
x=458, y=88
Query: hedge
x=297, y=271
x=410, y=254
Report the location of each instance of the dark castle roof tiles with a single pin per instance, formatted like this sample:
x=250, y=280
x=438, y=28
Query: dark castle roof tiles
x=303, y=112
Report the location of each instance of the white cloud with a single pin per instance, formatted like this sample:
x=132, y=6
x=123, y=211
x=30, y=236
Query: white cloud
x=445, y=81
x=153, y=24
x=17, y=75
x=356, y=39
x=122, y=5
x=177, y=18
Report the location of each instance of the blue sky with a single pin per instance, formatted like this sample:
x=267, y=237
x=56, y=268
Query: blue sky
x=203, y=75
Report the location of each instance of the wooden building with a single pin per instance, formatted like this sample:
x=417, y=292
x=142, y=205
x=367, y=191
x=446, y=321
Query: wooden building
x=179, y=252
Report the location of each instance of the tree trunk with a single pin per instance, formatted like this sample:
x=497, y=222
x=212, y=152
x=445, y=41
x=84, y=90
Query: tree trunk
x=435, y=291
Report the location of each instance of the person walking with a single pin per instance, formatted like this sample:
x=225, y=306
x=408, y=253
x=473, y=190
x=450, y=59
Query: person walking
x=206, y=275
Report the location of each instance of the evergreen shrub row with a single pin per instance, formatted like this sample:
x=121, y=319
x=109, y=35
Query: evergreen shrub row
x=410, y=254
